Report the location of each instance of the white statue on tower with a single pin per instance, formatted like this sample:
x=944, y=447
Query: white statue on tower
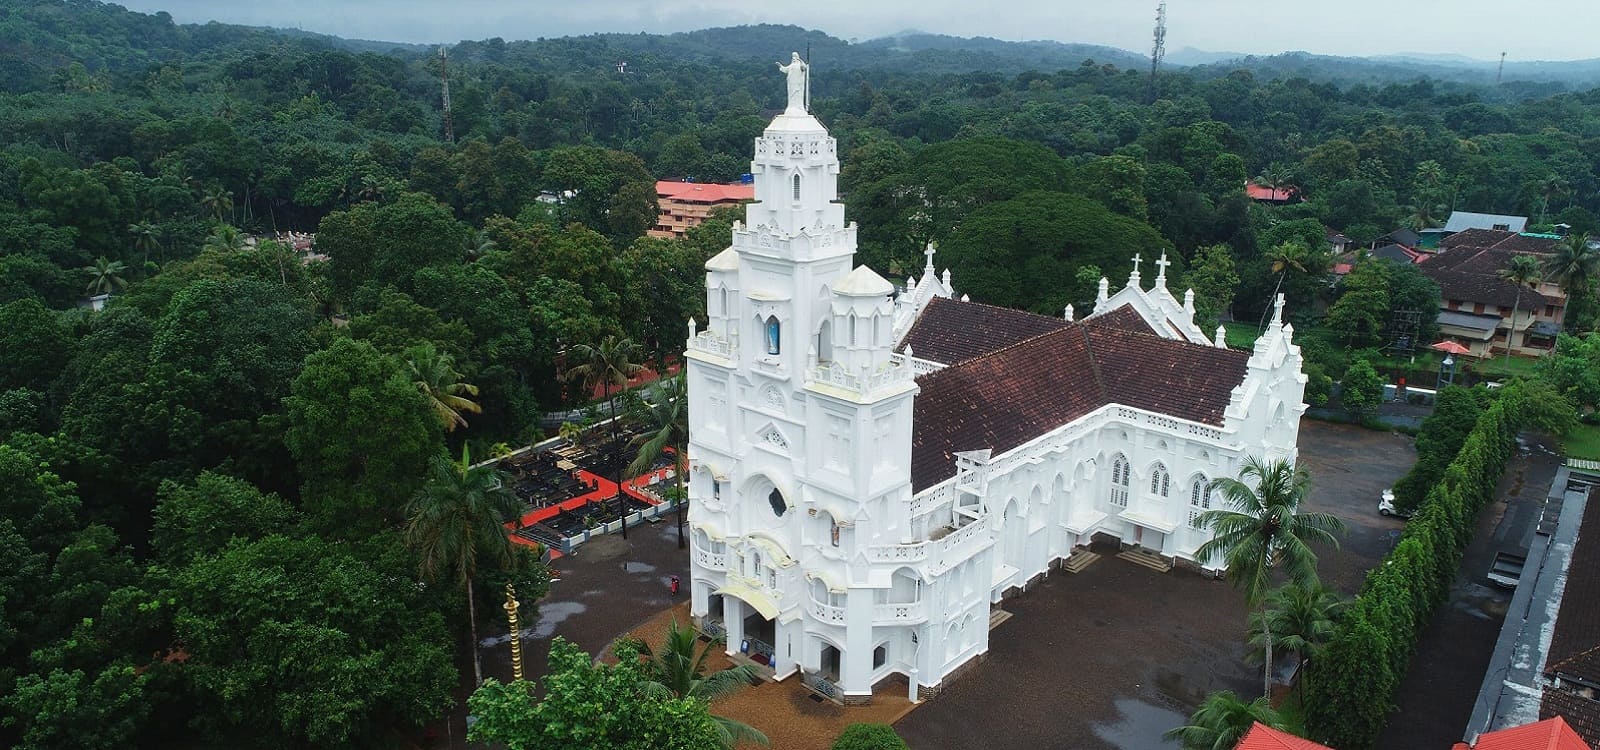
x=799, y=81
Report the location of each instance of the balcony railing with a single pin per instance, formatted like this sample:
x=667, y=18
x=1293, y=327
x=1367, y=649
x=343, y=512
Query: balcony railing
x=712, y=560
x=859, y=382
x=827, y=612
x=899, y=613
x=890, y=553
x=710, y=343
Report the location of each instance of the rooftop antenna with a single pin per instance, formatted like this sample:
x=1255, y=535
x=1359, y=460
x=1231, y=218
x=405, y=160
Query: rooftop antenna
x=444, y=77
x=1159, y=50
x=1502, y=70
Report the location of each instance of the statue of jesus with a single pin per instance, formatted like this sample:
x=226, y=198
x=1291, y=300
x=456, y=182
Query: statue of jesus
x=799, y=81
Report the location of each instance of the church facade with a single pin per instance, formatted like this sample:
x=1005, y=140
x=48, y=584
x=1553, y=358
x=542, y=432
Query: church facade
x=873, y=468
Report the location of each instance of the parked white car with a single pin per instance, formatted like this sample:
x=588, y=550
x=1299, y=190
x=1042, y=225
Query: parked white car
x=1386, y=505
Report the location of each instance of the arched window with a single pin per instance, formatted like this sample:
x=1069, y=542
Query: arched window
x=1199, y=500
x=772, y=335
x=796, y=183
x=1160, y=480
x=1120, y=477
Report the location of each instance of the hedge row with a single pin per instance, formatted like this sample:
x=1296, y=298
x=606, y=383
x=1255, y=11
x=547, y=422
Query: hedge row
x=1349, y=690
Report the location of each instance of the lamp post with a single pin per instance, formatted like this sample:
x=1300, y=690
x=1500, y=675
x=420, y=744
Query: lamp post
x=511, y=606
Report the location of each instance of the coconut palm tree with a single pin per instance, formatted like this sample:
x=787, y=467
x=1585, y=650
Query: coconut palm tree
x=478, y=245
x=1222, y=720
x=434, y=374
x=678, y=670
x=1263, y=530
x=456, y=520
x=1524, y=272
x=146, y=237
x=1573, y=266
x=608, y=365
x=1422, y=215
x=667, y=422
x=105, y=276
x=219, y=201
x=225, y=238
x=1298, y=619
x=1286, y=257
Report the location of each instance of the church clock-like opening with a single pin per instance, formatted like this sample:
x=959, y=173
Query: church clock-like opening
x=778, y=505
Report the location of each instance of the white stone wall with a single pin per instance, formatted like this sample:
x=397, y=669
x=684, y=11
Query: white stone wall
x=806, y=536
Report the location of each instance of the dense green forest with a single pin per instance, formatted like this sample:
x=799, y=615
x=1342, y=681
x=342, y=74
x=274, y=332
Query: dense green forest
x=205, y=484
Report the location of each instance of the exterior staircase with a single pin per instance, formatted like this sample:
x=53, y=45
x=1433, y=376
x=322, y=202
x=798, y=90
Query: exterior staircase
x=997, y=616
x=1146, y=558
x=1079, y=561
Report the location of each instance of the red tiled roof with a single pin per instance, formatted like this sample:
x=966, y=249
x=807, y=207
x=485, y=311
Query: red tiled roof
x=1005, y=398
x=1475, y=238
x=705, y=192
x=948, y=331
x=1550, y=734
x=1581, y=714
x=1263, y=737
x=1263, y=193
x=1472, y=274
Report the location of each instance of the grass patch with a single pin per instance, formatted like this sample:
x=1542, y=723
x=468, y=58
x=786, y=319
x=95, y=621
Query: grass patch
x=1583, y=441
x=1500, y=367
x=1241, y=335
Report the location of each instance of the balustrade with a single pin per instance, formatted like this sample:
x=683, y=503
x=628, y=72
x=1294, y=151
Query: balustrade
x=827, y=612
x=899, y=613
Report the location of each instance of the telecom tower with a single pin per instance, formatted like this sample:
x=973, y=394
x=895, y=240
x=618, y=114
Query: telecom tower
x=444, y=76
x=1502, y=70
x=1160, y=49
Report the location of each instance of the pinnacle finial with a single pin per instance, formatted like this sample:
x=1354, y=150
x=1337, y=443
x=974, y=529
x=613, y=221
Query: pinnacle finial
x=1067, y=314
x=1277, y=311
x=1161, y=275
x=928, y=253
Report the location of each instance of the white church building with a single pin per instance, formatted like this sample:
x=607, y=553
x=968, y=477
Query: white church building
x=872, y=469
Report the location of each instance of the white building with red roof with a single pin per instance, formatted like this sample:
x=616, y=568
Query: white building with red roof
x=872, y=469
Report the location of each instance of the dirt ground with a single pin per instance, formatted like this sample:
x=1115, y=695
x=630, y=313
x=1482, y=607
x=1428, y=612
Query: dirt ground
x=785, y=711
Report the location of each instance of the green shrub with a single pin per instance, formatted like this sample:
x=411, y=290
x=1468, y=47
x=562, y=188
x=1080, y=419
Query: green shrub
x=869, y=737
x=1350, y=689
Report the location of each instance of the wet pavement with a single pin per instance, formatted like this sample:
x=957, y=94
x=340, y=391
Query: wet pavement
x=1437, y=695
x=1111, y=658
x=605, y=588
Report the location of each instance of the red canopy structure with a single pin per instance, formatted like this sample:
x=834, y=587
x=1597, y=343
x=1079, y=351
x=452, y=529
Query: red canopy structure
x=1450, y=347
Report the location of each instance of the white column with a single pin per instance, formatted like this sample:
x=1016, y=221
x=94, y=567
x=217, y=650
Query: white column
x=783, y=646
x=733, y=620
x=699, y=593
x=856, y=662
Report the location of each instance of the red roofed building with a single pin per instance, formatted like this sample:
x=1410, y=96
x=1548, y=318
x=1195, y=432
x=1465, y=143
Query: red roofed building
x=686, y=204
x=1550, y=734
x=1264, y=194
x=1263, y=737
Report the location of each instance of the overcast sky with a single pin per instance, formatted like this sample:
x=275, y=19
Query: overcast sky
x=1525, y=29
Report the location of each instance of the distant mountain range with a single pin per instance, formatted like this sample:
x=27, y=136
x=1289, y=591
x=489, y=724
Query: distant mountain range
x=143, y=39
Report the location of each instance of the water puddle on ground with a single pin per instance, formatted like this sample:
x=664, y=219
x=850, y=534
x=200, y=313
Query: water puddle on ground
x=1139, y=725
x=551, y=614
